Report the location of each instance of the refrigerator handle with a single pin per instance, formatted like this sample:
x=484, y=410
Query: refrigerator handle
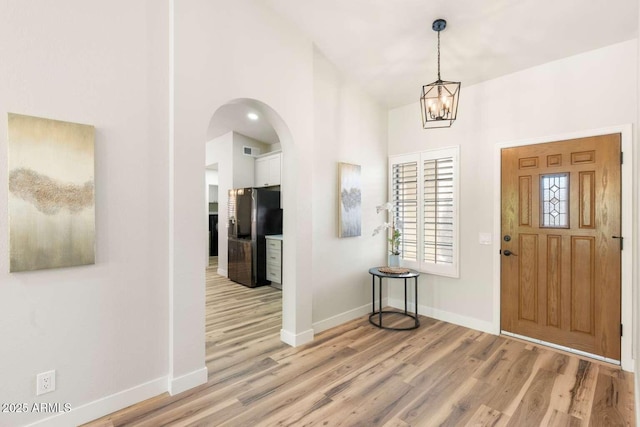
x=254, y=207
x=233, y=232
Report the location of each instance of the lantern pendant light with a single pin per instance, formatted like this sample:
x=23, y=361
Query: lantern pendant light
x=439, y=100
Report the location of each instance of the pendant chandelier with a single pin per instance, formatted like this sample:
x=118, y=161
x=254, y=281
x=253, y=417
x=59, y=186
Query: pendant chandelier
x=439, y=100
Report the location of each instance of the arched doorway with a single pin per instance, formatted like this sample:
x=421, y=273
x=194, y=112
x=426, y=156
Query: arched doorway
x=271, y=128
x=187, y=241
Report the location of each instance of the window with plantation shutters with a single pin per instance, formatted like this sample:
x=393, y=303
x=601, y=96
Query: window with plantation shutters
x=423, y=188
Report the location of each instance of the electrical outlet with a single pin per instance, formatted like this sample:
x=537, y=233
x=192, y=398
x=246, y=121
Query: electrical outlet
x=45, y=382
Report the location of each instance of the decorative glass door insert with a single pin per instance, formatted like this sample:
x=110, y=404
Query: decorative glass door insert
x=554, y=195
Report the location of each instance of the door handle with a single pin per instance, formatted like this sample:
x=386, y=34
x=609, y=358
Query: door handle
x=507, y=252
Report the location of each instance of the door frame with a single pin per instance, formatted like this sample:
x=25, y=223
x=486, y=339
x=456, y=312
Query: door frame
x=628, y=306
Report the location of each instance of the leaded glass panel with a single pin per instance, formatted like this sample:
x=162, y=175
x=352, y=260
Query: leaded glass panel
x=554, y=194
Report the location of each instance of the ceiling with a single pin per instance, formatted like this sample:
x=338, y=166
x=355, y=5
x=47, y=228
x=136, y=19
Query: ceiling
x=234, y=117
x=388, y=46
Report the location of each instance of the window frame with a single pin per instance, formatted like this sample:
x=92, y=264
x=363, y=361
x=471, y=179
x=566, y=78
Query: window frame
x=447, y=270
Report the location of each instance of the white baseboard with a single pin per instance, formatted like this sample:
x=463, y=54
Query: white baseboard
x=445, y=316
x=187, y=381
x=101, y=407
x=347, y=316
x=222, y=272
x=295, y=340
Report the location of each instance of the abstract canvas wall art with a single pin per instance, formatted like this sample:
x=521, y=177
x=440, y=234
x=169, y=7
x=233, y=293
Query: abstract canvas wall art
x=51, y=193
x=350, y=212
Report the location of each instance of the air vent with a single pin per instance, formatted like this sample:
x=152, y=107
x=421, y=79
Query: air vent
x=250, y=151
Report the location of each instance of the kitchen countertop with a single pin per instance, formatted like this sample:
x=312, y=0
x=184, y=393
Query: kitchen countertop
x=274, y=237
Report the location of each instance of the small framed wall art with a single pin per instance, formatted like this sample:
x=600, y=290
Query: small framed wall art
x=350, y=200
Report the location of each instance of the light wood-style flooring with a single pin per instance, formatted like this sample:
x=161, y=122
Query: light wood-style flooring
x=359, y=375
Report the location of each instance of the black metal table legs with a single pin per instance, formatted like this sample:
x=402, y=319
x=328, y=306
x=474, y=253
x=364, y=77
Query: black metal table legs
x=380, y=312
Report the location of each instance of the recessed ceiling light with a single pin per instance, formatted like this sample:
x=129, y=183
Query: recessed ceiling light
x=252, y=116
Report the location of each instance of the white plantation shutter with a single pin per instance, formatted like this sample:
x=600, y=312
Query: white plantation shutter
x=438, y=211
x=404, y=197
x=424, y=193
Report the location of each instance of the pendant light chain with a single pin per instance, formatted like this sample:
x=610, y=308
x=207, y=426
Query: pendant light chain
x=439, y=56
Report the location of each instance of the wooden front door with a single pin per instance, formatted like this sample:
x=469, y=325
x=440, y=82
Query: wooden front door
x=560, y=269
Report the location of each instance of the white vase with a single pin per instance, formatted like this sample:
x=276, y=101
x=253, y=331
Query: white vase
x=394, y=260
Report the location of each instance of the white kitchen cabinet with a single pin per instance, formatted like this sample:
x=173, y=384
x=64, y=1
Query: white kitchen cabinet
x=261, y=172
x=267, y=170
x=274, y=260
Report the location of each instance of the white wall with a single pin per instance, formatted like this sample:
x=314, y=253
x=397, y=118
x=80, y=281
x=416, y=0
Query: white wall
x=267, y=59
x=350, y=128
x=588, y=91
x=211, y=187
x=220, y=151
x=211, y=179
x=225, y=51
x=244, y=166
x=102, y=327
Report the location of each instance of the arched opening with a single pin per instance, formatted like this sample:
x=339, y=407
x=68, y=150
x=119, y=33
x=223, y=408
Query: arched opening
x=252, y=131
x=188, y=225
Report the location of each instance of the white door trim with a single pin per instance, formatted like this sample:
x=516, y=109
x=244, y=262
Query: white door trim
x=628, y=308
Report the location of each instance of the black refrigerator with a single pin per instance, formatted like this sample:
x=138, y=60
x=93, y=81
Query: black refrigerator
x=253, y=214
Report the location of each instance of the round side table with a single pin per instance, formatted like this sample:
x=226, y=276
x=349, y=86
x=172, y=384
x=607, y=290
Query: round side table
x=375, y=272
